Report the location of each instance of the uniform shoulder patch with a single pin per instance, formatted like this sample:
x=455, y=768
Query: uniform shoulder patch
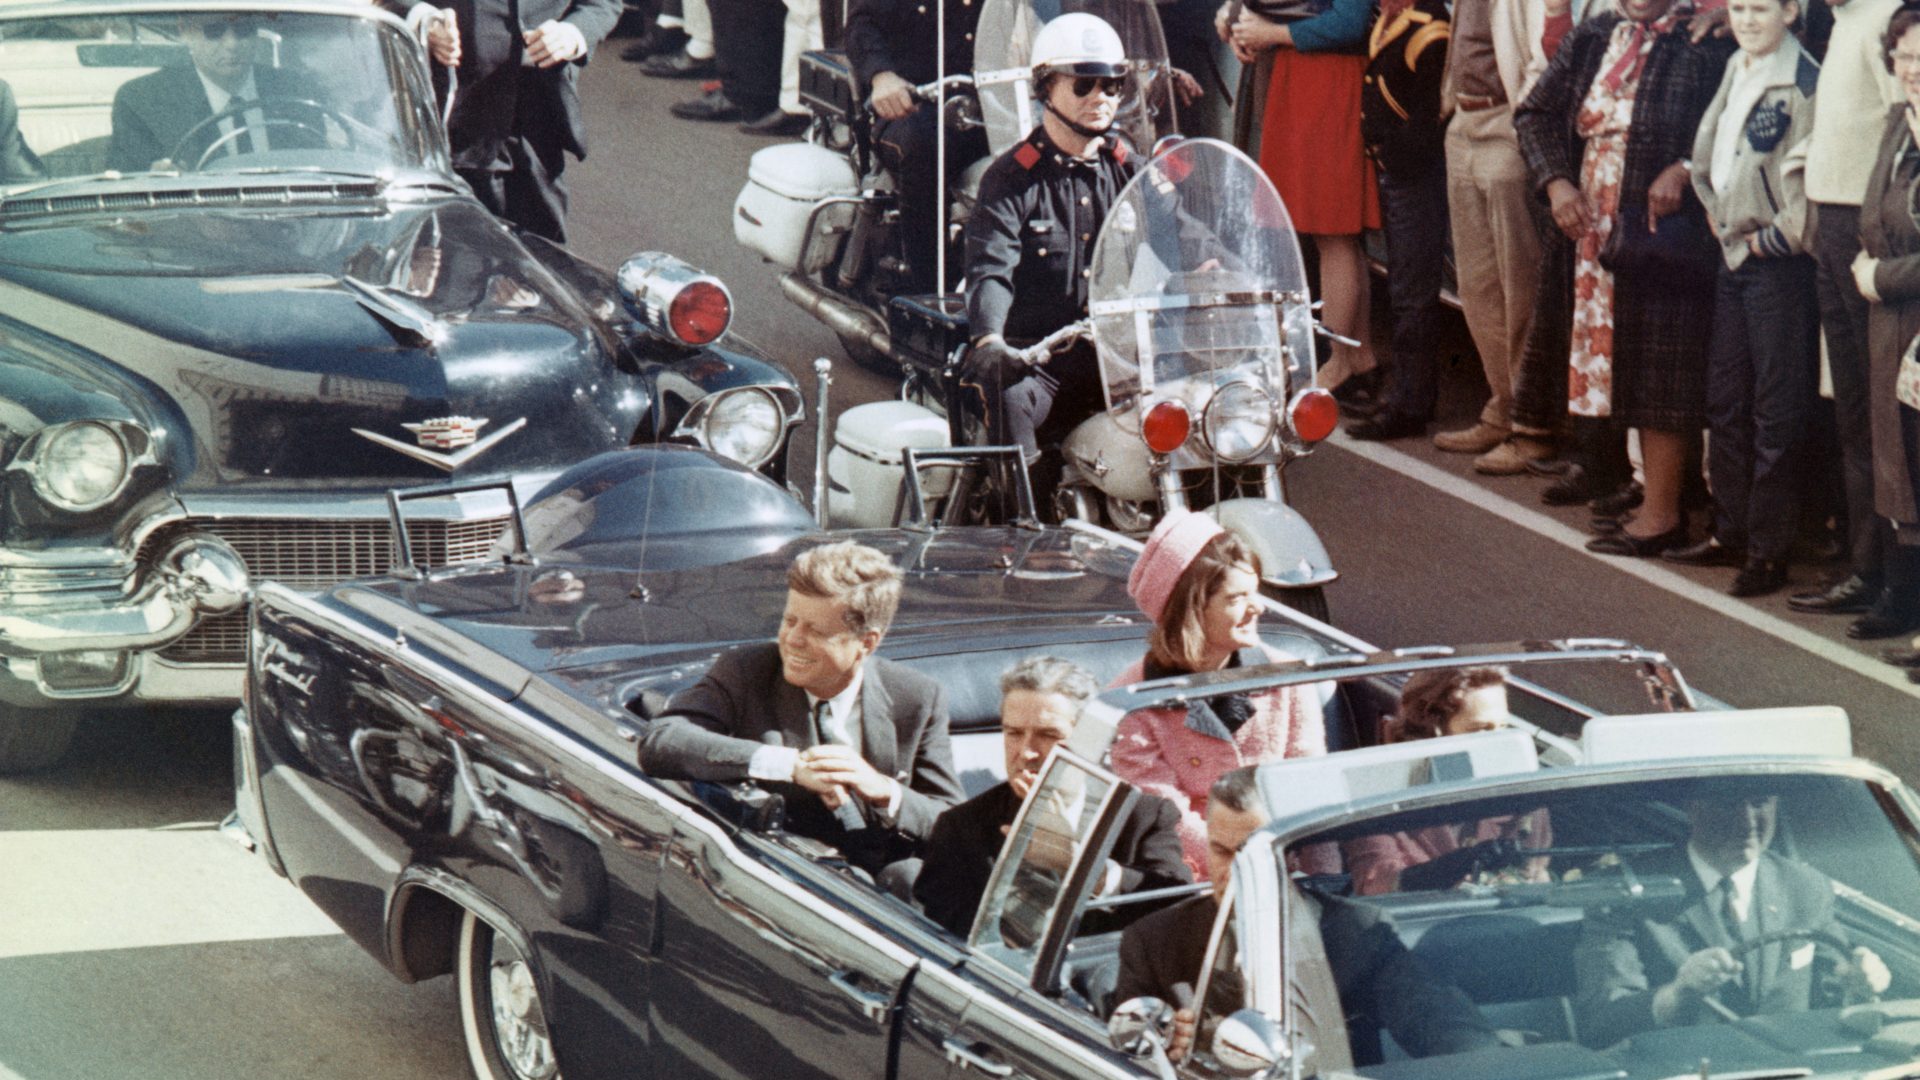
x=1806, y=75
x=1120, y=150
x=1027, y=155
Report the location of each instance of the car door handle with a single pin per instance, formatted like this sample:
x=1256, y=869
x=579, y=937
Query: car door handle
x=872, y=1006
x=967, y=1057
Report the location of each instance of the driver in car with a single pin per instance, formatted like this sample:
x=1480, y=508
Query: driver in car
x=857, y=744
x=154, y=114
x=1030, y=243
x=1739, y=946
x=17, y=159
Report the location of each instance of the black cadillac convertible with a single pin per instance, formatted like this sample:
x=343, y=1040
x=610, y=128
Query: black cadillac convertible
x=445, y=762
x=224, y=335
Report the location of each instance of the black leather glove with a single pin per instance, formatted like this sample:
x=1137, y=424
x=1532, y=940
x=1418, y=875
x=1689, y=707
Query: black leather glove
x=1456, y=866
x=991, y=362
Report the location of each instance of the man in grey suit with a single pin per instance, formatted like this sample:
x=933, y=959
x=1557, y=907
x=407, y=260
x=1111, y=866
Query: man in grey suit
x=17, y=160
x=1637, y=973
x=858, y=744
x=155, y=112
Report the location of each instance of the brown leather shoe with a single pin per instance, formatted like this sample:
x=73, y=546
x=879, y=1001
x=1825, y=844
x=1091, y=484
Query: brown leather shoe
x=1510, y=458
x=1477, y=439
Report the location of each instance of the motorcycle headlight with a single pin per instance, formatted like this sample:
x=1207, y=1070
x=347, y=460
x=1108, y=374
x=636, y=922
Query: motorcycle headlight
x=745, y=425
x=81, y=466
x=1239, y=422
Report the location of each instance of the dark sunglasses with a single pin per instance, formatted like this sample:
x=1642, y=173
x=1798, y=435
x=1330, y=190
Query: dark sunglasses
x=1111, y=85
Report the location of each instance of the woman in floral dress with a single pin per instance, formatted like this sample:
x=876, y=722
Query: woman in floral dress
x=1606, y=133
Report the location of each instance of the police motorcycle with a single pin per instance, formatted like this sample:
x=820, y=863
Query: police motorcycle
x=825, y=211
x=1199, y=311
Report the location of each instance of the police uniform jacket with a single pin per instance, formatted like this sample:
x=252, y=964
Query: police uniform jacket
x=1030, y=238
x=902, y=36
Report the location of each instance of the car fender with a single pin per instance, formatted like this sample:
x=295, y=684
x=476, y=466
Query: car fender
x=407, y=962
x=699, y=373
x=1291, y=553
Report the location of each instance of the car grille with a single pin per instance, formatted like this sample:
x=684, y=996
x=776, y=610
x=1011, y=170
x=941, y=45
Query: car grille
x=314, y=555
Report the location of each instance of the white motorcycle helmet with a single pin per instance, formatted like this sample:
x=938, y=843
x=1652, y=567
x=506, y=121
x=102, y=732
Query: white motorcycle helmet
x=1077, y=44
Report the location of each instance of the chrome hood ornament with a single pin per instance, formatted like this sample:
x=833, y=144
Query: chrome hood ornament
x=446, y=442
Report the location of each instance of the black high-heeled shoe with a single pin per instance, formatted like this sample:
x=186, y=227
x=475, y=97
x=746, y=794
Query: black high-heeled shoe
x=1639, y=547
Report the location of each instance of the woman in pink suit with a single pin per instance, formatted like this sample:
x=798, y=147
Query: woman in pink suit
x=1200, y=585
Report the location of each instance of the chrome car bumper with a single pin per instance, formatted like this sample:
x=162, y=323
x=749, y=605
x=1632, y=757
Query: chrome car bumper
x=68, y=637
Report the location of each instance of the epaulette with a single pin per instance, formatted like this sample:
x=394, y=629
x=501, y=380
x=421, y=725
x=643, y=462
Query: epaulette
x=1028, y=155
x=1120, y=150
x=1806, y=75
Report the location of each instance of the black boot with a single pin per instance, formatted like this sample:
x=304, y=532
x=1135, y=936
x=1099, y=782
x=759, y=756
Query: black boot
x=1897, y=611
x=1596, y=463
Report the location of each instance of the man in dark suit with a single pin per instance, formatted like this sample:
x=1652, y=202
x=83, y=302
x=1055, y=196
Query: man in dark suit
x=1374, y=975
x=1040, y=698
x=516, y=111
x=1638, y=973
x=17, y=160
x=155, y=112
x=858, y=744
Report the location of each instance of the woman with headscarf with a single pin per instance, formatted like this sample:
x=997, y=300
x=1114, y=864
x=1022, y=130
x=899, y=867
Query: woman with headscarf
x=1606, y=133
x=1200, y=585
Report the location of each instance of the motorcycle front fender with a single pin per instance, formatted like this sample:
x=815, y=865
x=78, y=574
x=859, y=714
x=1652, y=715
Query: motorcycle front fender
x=1291, y=554
x=1110, y=459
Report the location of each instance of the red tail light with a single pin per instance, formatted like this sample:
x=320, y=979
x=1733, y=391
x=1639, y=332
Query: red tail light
x=1166, y=427
x=1313, y=414
x=700, y=313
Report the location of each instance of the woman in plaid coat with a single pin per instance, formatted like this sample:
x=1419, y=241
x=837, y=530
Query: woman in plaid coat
x=1606, y=134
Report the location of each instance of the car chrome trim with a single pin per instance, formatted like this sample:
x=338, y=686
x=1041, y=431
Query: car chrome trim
x=575, y=748
x=249, y=803
x=437, y=459
x=197, y=575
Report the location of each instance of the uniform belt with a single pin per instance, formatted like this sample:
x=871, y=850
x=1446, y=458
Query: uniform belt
x=1476, y=103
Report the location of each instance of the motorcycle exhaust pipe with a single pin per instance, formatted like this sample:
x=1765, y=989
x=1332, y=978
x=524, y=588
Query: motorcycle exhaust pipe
x=839, y=316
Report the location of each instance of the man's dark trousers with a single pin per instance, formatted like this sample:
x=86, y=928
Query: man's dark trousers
x=1843, y=317
x=1763, y=373
x=909, y=149
x=1414, y=209
x=747, y=40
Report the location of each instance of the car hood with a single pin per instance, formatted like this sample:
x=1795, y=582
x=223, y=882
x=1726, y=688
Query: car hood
x=275, y=337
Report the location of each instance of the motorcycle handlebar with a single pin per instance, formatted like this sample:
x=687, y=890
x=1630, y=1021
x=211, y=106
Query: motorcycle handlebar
x=1043, y=350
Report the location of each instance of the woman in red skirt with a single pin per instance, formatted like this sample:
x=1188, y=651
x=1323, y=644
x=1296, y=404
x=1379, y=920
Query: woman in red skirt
x=1310, y=147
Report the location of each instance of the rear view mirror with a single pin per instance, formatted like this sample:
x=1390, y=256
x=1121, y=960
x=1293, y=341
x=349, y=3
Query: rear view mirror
x=1140, y=1025
x=1249, y=1044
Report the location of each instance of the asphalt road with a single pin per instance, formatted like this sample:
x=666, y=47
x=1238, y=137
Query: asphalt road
x=136, y=943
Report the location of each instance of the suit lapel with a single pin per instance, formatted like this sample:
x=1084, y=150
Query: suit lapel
x=882, y=742
x=1764, y=909
x=791, y=713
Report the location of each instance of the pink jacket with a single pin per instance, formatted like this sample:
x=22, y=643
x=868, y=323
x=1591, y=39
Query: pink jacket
x=1155, y=751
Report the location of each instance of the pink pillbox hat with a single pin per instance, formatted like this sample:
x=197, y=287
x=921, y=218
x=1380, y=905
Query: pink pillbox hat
x=1171, y=548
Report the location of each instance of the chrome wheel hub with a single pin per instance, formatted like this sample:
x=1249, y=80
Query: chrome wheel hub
x=519, y=1022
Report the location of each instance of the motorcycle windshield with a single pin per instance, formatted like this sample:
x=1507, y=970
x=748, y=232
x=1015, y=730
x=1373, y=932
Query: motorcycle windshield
x=1197, y=282
x=1003, y=77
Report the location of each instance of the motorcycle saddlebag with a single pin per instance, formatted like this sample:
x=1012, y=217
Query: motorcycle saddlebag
x=783, y=184
x=928, y=329
x=827, y=84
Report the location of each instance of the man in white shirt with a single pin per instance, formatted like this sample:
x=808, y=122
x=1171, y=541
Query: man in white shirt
x=155, y=114
x=1703, y=964
x=858, y=744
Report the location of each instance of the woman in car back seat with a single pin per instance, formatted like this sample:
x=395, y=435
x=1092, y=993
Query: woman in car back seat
x=1449, y=701
x=1200, y=585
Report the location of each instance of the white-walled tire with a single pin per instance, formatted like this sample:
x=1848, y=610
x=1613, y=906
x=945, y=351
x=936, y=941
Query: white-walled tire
x=501, y=1013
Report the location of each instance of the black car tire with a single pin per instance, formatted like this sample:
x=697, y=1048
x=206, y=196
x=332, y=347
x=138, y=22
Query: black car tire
x=32, y=740
x=1310, y=601
x=502, y=1015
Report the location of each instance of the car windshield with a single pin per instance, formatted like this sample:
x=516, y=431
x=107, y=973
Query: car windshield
x=1750, y=918
x=211, y=93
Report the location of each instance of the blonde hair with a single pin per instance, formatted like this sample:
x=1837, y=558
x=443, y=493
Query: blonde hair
x=1179, y=638
x=852, y=574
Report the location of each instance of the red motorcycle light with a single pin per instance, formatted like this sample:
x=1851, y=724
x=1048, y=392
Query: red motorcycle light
x=1313, y=414
x=700, y=313
x=1166, y=427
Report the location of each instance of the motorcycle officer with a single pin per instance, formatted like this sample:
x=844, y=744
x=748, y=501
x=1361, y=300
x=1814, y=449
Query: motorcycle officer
x=1030, y=244
x=893, y=46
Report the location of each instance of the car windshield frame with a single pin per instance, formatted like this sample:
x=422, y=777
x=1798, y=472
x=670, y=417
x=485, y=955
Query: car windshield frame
x=396, y=136
x=1263, y=891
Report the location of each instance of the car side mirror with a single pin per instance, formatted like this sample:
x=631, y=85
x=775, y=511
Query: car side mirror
x=1140, y=1025
x=1249, y=1044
